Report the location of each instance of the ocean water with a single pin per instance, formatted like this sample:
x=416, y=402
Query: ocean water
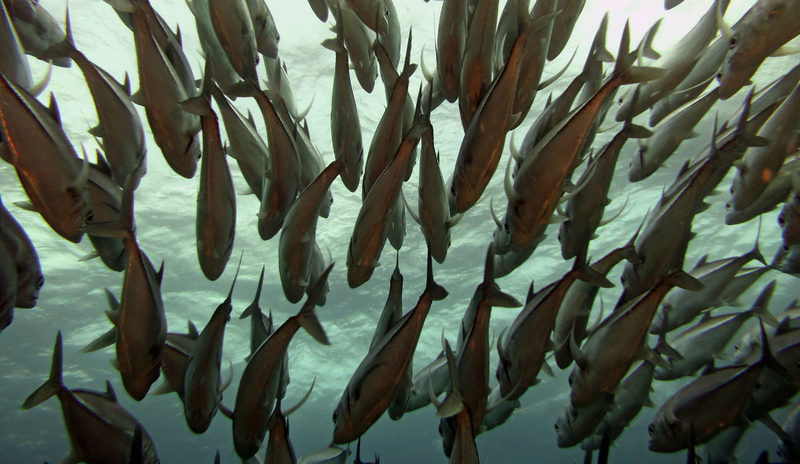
x=72, y=299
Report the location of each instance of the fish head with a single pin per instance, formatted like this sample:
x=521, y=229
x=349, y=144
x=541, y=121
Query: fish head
x=357, y=274
x=564, y=426
x=28, y=286
x=447, y=430
x=582, y=394
x=345, y=428
x=665, y=435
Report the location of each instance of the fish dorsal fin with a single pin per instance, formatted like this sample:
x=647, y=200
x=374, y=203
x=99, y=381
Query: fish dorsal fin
x=193, y=333
x=52, y=108
x=110, y=394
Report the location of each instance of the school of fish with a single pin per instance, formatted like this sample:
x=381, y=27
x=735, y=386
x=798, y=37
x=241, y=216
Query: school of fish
x=671, y=319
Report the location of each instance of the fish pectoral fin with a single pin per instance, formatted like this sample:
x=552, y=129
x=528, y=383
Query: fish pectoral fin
x=163, y=388
x=647, y=354
x=97, y=131
x=786, y=50
x=225, y=410
x=26, y=205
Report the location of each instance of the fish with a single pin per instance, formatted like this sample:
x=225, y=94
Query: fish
x=37, y=29
x=14, y=65
x=766, y=26
x=681, y=306
x=485, y=134
x=266, y=32
x=574, y=425
x=537, y=186
x=161, y=90
x=219, y=64
x=473, y=354
x=25, y=267
x=356, y=39
x=100, y=429
x=698, y=79
x=215, y=226
x=433, y=376
x=533, y=58
x=202, y=383
x=118, y=124
x=775, y=193
x=450, y=44
x=279, y=446
x=282, y=178
x=234, y=28
x=716, y=391
x=617, y=342
x=261, y=377
x=390, y=316
x=476, y=63
x=632, y=394
x=52, y=175
x=245, y=145
x=298, y=232
x=789, y=217
x=329, y=455
x=564, y=23
x=759, y=165
x=668, y=136
x=390, y=131
x=8, y=290
x=585, y=207
x=522, y=349
x=371, y=228
x=378, y=376
x=311, y=165
x=345, y=126
x=700, y=343
x=433, y=209
x=573, y=314
x=677, y=61
x=142, y=323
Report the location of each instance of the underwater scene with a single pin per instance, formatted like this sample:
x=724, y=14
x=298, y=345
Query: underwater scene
x=605, y=190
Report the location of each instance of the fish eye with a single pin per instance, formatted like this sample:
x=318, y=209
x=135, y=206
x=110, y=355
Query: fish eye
x=569, y=379
x=781, y=220
x=556, y=425
x=732, y=42
x=620, y=100
x=651, y=429
x=40, y=282
x=719, y=76
x=335, y=415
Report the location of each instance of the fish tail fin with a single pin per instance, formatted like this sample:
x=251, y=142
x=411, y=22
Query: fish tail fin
x=254, y=308
x=760, y=307
x=53, y=384
x=624, y=69
x=587, y=274
x=436, y=291
x=63, y=49
x=755, y=253
x=307, y=317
